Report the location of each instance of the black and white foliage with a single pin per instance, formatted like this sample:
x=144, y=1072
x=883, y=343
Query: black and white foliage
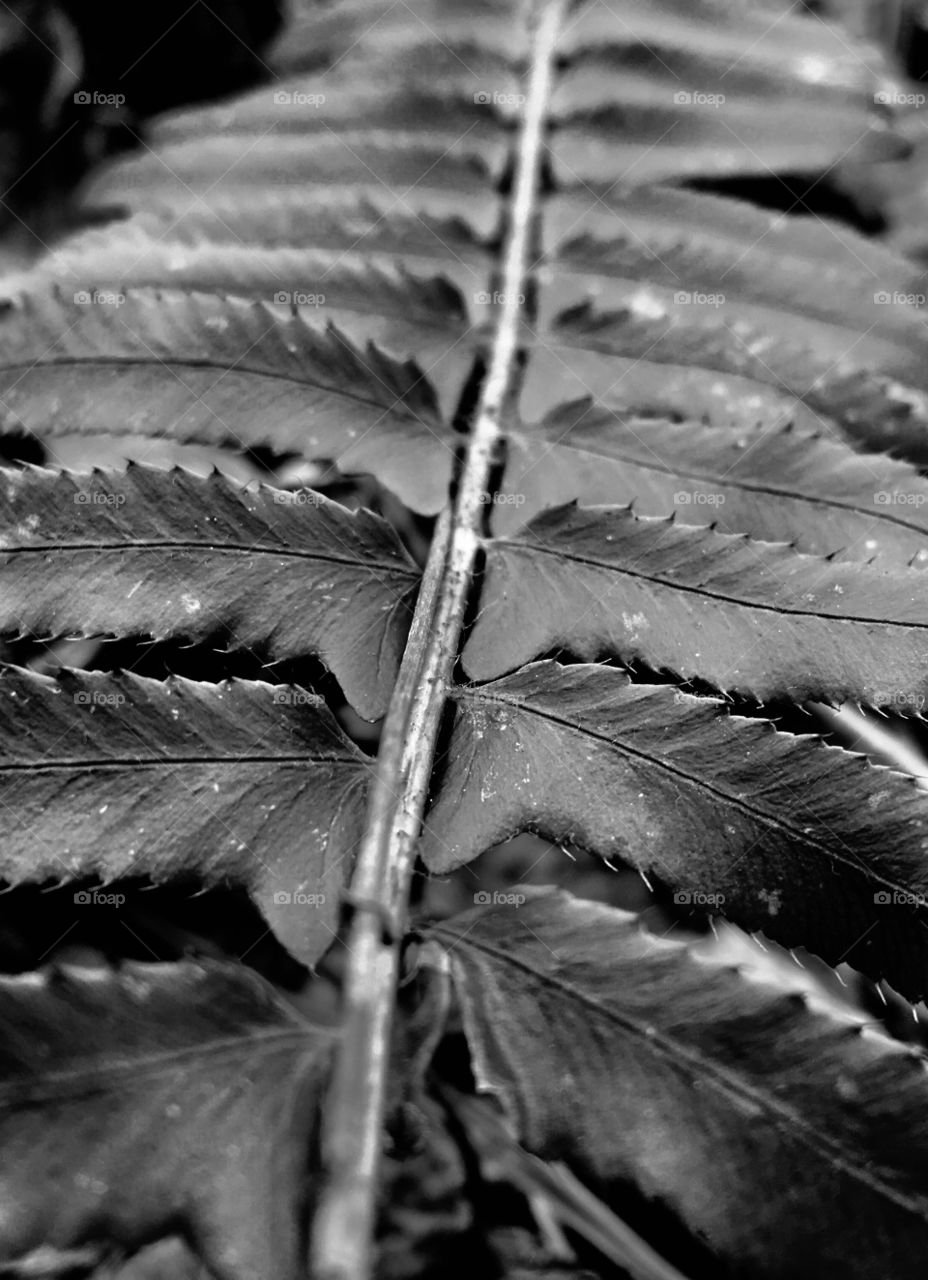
x=672, y=442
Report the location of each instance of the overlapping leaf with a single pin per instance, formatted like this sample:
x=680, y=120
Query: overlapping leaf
x=115, y=776
x=362, y=28
x=354, y=156
x=751, y=617
x=664, y=303
x=170, y=555
x=338, y=254
x=633, y=1061
x=158, y=1097
x=215, y=370
x=673, y=90
x=740, y=819
x=783, y=486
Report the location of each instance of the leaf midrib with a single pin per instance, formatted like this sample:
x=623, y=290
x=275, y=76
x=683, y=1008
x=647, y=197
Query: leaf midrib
x=214, y=548
x=729, y=481
x=172, y=361
x=541, y=548
x=98, y=1079
x=134, y=764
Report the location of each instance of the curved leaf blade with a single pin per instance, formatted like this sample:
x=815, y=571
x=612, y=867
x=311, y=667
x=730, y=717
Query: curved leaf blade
x=660, y=91
x=810, y=844
x=213, y=370
x=173, y=556
x=815, y=493
x=750, y=617
x=674, y=1065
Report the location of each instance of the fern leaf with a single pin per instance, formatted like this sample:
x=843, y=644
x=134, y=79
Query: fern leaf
x=663, y=91
x=312, y=251
x=811, y=844
x=390, y=307
x=781, y=270
x=216, y=370
x=162, y=1097
x=183, y=175
x=172, y=556
x=634, y=1061
x=653, y=355
x=113, y=776
x=775, y=486
x=749, y=617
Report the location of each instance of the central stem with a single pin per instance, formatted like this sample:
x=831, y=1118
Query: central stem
x=342, y=1243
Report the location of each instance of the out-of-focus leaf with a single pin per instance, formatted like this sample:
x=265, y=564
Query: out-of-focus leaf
x=156, y=1097
x=634, y=1062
